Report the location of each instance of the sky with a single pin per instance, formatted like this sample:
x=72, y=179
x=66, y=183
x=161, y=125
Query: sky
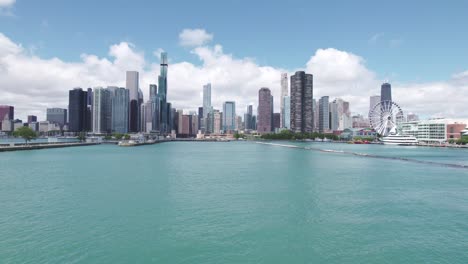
x=48, y=47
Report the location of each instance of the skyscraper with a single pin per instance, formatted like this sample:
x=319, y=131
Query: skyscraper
x=302, y=116
x=324, y=115
x=248, y=118
x=276, y=120
x=77, y=110
x=162, y=92
x=32, y=118
x=217, y=121
x=57, y=116
x=265, y=114
x=102, y=110
x=132, y=85
x=7, y=112
x=287, y=112
x=386, y=92
x=284, y=92
x=373, y=101
x=120, y=105
x=229, y=116
x=200, y=118
x=207, y=108
x=153, y=91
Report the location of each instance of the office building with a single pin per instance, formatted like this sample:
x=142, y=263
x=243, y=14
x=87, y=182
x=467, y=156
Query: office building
x=276, y=120
x=132, y=85
x=287, y=112
x=57, y=116
x=386, y=92
x=324, y=115
x=229, y=116
x=102, y=111
x=284, y=93
x=120, y=110
x=78, y=110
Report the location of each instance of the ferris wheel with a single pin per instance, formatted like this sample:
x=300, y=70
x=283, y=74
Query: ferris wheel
x=385, y=117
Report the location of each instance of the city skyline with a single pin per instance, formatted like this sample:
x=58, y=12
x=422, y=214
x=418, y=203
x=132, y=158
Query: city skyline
x=202, y=54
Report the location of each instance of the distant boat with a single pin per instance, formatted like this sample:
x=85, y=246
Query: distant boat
x=401, y=140
x=128, y=143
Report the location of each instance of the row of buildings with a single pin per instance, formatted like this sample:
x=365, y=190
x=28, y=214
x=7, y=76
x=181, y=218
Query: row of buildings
x=123, y=110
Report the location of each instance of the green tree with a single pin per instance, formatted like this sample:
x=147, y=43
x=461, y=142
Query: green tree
x=118, y=136
x=127, y=137
x=82, y=136
x=26, y=133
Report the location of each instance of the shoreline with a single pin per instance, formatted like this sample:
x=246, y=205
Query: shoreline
x=45, y=146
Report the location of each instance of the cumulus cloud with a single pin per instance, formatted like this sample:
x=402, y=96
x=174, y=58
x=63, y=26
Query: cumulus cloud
x=7, y=3
x=32, y=84
x=194, y=37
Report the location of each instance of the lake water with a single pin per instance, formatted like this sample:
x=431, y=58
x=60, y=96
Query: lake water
x=236, y=202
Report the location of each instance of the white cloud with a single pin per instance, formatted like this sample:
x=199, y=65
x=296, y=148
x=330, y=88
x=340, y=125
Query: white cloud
x=32, y=84
x=7, y=3
x=194, y=37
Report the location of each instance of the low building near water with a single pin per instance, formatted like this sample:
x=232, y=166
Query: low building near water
x=434, y=131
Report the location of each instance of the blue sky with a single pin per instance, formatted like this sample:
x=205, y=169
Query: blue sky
x=400, y=40
x=50, y=46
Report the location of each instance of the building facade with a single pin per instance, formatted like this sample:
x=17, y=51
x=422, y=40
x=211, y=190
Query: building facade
x=57, y=116
x=286, y=112
x=301, y=100
x=386, y=92
x=324, y=114
x=229, y=116
x=78, y=110
x=120, y=110
x=102, y=111
x=284, y=93
x=265, y=113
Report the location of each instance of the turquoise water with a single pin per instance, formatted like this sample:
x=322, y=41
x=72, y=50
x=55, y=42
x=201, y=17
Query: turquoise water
x=237, y=202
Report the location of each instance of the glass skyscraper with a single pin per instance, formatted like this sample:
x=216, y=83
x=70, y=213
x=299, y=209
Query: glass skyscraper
x=229, y=116
x=386, y=92
x=286, y=112
x=120, y=104
x=132, y=85
x=162, y=93
x=324, y=114
x=265, y=111
x=78, y=110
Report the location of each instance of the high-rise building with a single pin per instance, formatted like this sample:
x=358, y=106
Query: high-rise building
x=153, y=91
x=132, y=85
x=120, y=105
x=32, y=118
x=229, y=116
x=102, y=110
x=217, y=122
x=78, y=110
x=265, y=113
x=57, y=116
x=162, y=92
x=324, y=115
x=386, y=92
x=302, y=116
x=248, y=121
x=316, y=114
x=276, y=120
x=373, y=101
x=287, y=112
x=207, y=108
x=284, y=92
x=239, y=125
x=200, y=118
x=7, y=112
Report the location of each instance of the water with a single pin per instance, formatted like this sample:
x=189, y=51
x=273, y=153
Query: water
x=237, y=202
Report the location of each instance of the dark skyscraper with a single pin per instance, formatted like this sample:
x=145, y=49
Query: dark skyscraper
x=78, y=110
x=7, y=112
x=132, y=84
x=248, y=118
x=200, y=117
x=32, y=118
x=276, y=120
x=385, y=92
x=264, y=122
x=302, y=117
x=57, y=116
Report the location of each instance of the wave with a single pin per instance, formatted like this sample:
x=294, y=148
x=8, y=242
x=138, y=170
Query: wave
x=366, y=155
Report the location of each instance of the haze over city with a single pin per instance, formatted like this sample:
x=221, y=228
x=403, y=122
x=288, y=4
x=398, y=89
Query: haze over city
x=45, y=52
